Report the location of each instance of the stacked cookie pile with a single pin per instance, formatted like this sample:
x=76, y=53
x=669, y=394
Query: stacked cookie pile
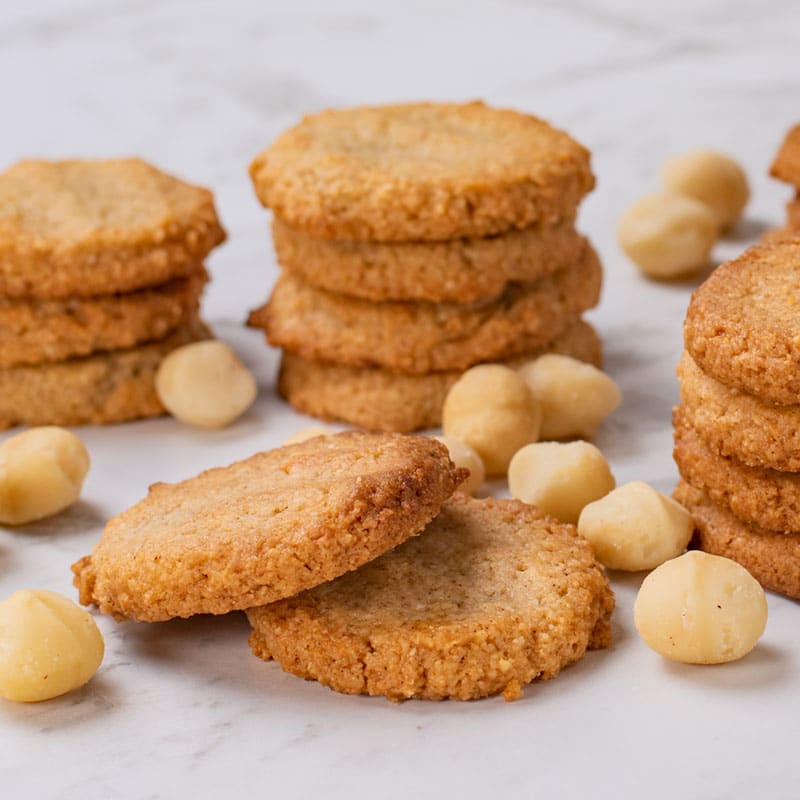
x=786, y=167
x=101, y=272
x=417, y=241
x=737, y=430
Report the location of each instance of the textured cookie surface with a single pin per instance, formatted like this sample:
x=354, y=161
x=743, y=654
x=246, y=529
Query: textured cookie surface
x=459, y=270
x=420, y=171
x=84, y=228
x=418, y=337
x=491, y=596
x=786, y=165
x=266, y=527
x=378, y=399
x=773, y=559
x=743, y=323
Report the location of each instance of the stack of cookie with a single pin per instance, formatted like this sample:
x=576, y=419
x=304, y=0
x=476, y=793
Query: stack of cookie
x=786, y=167
x=737, y=430
x=101, y=272
x=417, y=241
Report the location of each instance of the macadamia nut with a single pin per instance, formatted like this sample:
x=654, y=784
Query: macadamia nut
x=41, y=473
x=50, y=646
x=491, y=409
x=668, y=235
x=205, y=384
x=716, y=180
x=308, y=433
x=560, y=478
x=700, y=609
x=575, y=397
x=635, y=527
x=462, y=455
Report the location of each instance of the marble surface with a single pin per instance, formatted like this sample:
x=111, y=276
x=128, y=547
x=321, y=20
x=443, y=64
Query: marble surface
x=199, y=88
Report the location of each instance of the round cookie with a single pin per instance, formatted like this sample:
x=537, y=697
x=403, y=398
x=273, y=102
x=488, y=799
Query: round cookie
x=457, y=271
x=743, y=323
x=737, y=424
x=491, y=596
x=419, y=337
x=267, y=527
x=773, y=559
x=95, y=390
x=763, y=497
x=422, y=171
x=378, y=399
x=84, y=228
x=786, y=166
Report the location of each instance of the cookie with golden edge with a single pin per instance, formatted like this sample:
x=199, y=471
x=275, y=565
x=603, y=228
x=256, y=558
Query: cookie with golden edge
x=421, y=171
x=786, y=166
x=84, y=228
x=773, y=559
x=793, y=214
x=418, y=337
x=267, y=527
x=378, y=399
x=459, y=270
x=115, y=386
x=491, y=596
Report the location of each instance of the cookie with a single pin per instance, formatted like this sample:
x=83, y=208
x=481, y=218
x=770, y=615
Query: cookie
x=780, y=234
x=763, y=497
x=457, y=271
x=84, y=228
x=743, y=323
x=36, y=331
x=378, y=399
x=421, y=171
x=491, y=596
x=793, y=214
x=94, y=390
x=786, y=166
x=418, y=337
x=737, y=424
x=773, y=559
x=267, y=527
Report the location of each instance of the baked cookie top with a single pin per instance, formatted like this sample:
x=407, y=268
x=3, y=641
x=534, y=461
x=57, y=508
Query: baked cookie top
x=491, y=596
x=786, y=166
x=420, y=171
x=83, y=228
x=266, y=527
x=743, y=323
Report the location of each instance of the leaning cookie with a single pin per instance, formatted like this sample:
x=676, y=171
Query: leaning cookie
x=793, y=214
x=786, y=166
x=491, y=596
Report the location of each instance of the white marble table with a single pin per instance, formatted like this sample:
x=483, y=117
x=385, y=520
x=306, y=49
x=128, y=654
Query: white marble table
x=183, y=709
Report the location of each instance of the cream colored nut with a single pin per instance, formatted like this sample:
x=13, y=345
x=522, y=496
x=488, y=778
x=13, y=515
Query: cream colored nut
x=41, y=473
x=635, y=527
x=575, y=397
x=205, y=384
x=462, y=455
x=50, y=646
x=560, y=478
x=491, y=409
x=714, y=179
x=668, y=235
x=304, y=434
x=700, y=609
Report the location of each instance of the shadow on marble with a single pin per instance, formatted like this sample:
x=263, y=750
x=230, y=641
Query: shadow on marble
x=748, y=230
x=78, y=518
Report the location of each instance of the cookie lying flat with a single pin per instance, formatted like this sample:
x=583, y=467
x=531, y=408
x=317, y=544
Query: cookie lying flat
x=420, y=171
x=737, y=424
x=786, y=165
x=377, y=399
x=425, y=337
x=773, y=559
x=85, y=228
x=460, y=270
x=491, y=596
x=266, y=527
x=109, y=387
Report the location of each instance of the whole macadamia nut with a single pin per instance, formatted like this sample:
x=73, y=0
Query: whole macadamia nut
x=462, y=455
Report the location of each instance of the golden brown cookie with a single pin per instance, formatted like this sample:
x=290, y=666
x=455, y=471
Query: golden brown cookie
x=773, y=559
x=94, y=390
x=737, y=424
x=793, y=214
x=759, y=496
x=491, y=596
x=743, y=323
x=84, y=228
x=418, y=337
x=422, y=171
x=786, y=165
x=378, y=399
x=267, y=527
x=458, y=271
